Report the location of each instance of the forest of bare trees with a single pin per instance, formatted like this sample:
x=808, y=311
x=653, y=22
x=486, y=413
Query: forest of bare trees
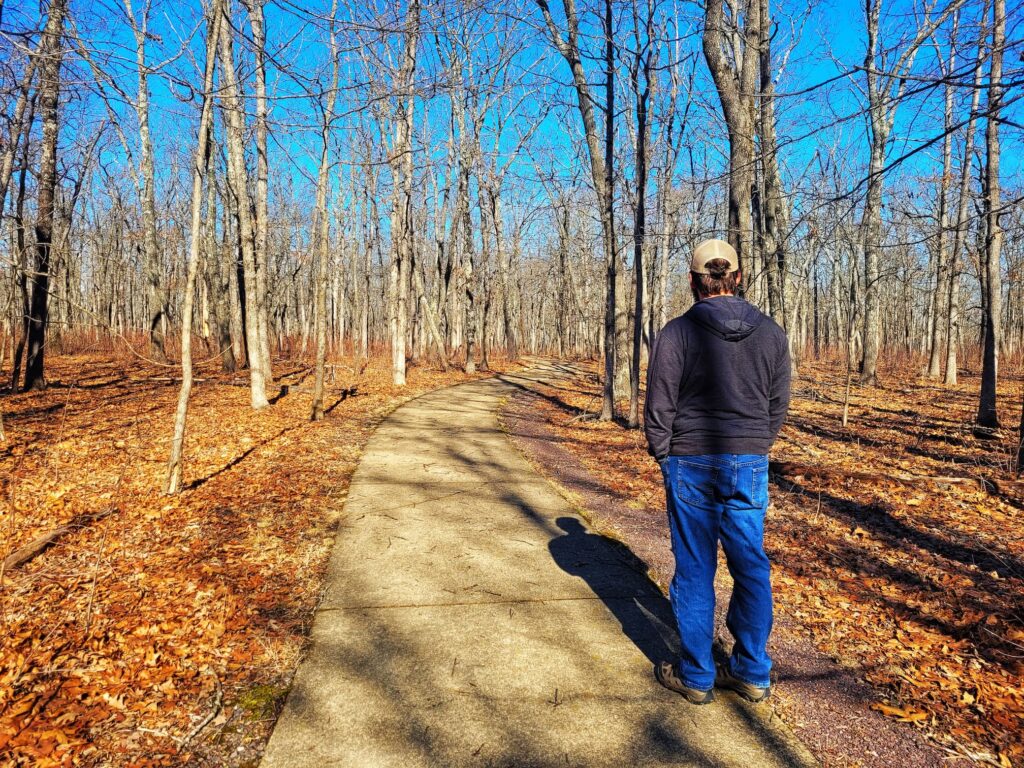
x=248, y=181
x=302, y=304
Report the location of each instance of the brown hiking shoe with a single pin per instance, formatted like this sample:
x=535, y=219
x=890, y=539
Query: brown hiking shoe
x=665, y=672
x=724, y=679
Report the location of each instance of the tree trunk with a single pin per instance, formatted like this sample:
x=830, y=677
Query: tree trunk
x=18, y=126
x=256, y=21
x=611, y=334
x=988, y=416
x=219, y=268
x=174, y=469
x=51, y=54
x=24, y=311
x=643, y=64
x=468, y=275
x=872, y=227
x=960, y=234
x=601, y=164
x=504, y=268
x=237, y=180
x=736, y=85
x=774, y=210
x=322, y=227
x=156, y=296
x=943, y=260
x=401, y=215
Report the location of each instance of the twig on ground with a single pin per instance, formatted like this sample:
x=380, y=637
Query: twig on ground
x=218, y=700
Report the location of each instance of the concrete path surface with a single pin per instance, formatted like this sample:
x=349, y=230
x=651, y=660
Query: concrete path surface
x=472, y=619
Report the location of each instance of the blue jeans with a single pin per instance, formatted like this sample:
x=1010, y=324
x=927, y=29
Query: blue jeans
x=716, y=498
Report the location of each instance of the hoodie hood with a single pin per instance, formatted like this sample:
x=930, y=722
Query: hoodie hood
x=728, y=317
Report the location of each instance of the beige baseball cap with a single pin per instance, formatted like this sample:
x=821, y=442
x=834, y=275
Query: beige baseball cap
x=713, y=249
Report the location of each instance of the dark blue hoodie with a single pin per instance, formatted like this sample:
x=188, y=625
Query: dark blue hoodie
x=718, y=381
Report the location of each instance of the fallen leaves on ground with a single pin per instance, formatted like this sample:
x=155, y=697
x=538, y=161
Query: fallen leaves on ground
x=170, y=613
x=919, y=585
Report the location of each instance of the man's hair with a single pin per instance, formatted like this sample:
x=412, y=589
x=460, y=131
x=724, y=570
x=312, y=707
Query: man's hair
x=718, y=280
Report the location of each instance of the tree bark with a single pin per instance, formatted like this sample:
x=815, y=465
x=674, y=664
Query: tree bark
x=601, y=170
x=988, y=415
x=322, y=226
x=943, y=260
x=401, y=215
x=238, y=182
x=959, y=233
x=259, y=41
x=736, y=85
x=642, y=65
x=51, y=54
x=774, y=211
x=24, y=311
x=612, y=325
x=156, y=295
x=174, y=468
x=17, y=127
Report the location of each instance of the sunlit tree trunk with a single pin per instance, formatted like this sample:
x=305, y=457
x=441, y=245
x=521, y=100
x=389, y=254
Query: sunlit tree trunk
x=401, y=215
x=156, y=294
x=174, y=468
x=322, y=225
x=960, y=233
x=943, y=259
x=17, y=128
x=774, y=212
x=642, y=66
x=237, y=181
x=736, y=83
x=256, y=20
x=601, y=164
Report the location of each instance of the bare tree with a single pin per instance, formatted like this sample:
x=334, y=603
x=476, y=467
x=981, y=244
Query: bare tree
x=156, y=296
x=321, y=223
x=735, y=79
x=238, y=183
x=401, y=214
x=18, y=126
x=643, y=62
x=952, y=291
x=51, y=54
x=988, y=415
x=601, y=162
x=886, y=86
x=201, y=163
x=942, y=259
x=259, y=42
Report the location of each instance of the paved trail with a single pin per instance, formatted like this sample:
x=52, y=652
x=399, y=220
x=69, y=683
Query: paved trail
x=471, y=619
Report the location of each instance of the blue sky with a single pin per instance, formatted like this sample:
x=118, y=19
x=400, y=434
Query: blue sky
x=826, y=41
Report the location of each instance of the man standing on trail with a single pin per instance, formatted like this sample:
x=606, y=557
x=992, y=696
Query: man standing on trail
x=717, y=394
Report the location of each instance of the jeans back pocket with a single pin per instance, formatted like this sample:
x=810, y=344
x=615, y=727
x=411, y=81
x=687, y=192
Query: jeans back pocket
x=696, y=483
x=752, y=486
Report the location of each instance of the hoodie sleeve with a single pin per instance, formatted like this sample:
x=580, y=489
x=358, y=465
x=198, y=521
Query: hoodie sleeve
x=663, y=377
x=778, y=403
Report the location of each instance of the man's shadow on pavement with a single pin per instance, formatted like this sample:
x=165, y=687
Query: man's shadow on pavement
x=619, y=579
